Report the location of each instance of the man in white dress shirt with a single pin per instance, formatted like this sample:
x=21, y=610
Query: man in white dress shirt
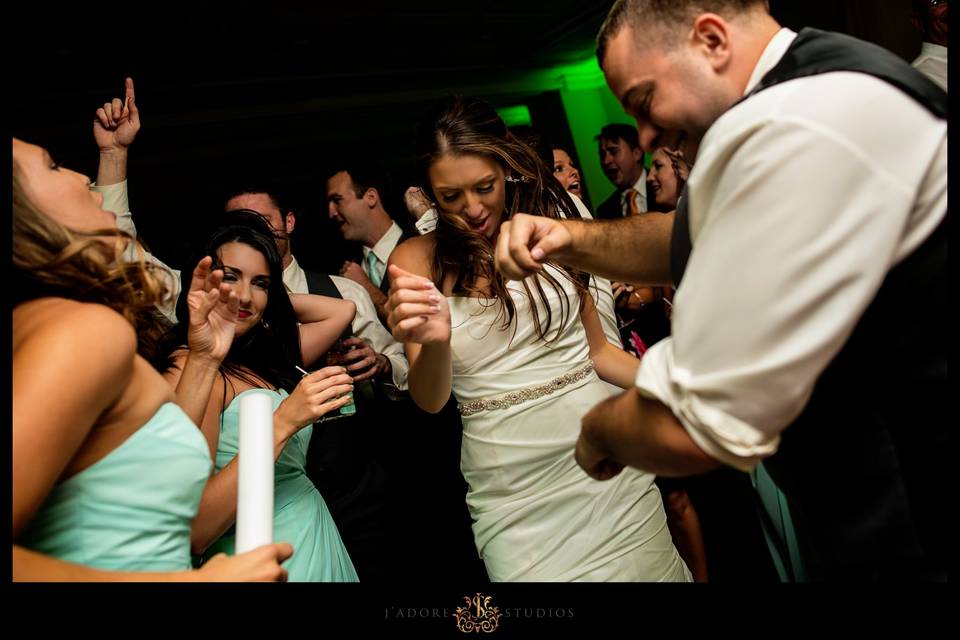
x=794, y=341
x=355, y=205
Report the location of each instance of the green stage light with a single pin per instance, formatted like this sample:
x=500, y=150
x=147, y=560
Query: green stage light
x=515, y=115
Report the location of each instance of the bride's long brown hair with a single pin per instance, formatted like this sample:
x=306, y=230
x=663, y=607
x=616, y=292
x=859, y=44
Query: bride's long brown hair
x=470, y=127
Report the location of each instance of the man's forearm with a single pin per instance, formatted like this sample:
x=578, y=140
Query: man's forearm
x=113, y=167
x=643, y=433
x=378, y=298
x=634, y=249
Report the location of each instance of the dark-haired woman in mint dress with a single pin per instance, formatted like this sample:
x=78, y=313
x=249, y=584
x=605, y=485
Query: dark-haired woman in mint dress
x=266, y=355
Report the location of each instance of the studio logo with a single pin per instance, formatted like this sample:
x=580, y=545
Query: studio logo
x=478, y=616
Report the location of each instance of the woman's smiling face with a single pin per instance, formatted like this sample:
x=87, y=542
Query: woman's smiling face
x=246, y=271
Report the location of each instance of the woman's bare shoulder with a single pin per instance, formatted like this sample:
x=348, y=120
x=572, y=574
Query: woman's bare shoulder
x=83, y=325
x=416, y=254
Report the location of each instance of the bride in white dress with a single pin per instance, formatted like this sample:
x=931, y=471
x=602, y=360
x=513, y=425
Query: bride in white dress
x=525, y=361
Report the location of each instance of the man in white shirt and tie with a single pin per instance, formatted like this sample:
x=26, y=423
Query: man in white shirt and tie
x=622, y=160
x=355, y=204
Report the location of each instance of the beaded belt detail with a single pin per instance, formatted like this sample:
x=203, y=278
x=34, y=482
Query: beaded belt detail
x=525, y=395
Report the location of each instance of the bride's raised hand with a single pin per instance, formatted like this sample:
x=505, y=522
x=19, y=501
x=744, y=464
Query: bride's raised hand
x=416, y=311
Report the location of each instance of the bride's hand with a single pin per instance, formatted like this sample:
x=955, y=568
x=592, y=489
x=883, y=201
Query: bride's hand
x=416, y=311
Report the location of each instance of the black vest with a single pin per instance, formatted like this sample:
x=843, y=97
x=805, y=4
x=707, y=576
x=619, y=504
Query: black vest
x=864, y=466
x=321, y=284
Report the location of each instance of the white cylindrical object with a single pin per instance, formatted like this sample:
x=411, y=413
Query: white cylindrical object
x=255, y=483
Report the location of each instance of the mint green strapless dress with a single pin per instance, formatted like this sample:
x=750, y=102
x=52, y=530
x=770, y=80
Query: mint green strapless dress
x=300, y=515
x=132, y=509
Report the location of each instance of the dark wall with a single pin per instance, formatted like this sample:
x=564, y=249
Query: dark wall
x=278, y=94
x=885, y=23
x=550, y=118
x=226, y=91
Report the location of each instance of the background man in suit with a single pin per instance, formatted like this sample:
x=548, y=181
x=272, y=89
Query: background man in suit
x=622, y=160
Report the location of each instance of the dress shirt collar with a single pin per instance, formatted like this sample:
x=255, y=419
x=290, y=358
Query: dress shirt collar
x=640, y=186
x=936, y=51
x=294, y=278
x=774, y=51
x=385, y=244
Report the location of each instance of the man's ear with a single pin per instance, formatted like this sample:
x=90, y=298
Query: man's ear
x=290, y=221
x=711, y=36
x=371, y=197
x=637, y=153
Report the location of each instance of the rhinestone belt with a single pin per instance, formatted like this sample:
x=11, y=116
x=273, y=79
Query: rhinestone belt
x=525, y=395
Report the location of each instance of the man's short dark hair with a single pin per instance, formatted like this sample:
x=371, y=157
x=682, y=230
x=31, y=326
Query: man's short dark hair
x=364, y=175
x=651, y=19
x=627, y=133
x=252, y=188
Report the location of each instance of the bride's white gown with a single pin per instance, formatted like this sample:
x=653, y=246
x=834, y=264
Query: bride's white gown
x=537, y=515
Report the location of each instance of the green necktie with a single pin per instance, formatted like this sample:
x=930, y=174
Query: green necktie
x=372, y=269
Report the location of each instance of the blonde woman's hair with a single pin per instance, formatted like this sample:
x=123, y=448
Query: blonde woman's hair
x=50, y=260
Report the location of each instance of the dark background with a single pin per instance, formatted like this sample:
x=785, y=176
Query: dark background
x=277, y=90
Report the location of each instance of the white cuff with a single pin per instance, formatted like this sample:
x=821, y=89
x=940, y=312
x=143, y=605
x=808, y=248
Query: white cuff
x=114, y=197
x=722, y=436
x=398, y=373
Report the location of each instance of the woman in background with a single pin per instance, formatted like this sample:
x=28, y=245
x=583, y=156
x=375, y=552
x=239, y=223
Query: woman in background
x=567, y=174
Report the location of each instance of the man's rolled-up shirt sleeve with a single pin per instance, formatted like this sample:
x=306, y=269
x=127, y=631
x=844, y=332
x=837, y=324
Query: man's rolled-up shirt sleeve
x=721, y=435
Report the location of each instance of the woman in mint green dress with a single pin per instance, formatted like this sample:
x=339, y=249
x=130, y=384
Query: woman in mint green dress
x=264, y=357
x=108, y=471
